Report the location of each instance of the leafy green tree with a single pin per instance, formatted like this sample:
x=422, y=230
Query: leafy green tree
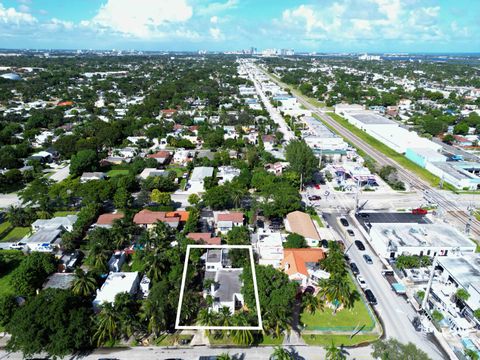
x=36, y=193
x=122, y=199
x=21, y=216
x=84, y=283
x=35, y=326
x=462, y=294
x=107, y=325
x=84, y=160
x=392, y=349
x=8, y=305
x=476, y=313
x=161, y=198
x=461, y=128
x=295, y=241
x=437, y=316
x=239, y=235
x=448, y=139
x=32, y=272
x=301, y=158
x=193, y=199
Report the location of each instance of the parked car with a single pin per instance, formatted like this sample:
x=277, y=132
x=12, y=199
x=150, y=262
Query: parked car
x=344, y=222
x=359, y=245
x=354, y=268
x=372, y=300
x=314, y=197
x=368, y=259
x=361, y=281
x=317, y=186
x=18, y=246
x=324, y=243
x=350, y=232
x=419, y=211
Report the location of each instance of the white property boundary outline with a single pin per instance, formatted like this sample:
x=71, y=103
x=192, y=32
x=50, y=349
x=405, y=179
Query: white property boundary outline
x=182, y=288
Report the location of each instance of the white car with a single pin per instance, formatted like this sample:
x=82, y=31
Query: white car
x=361, y=281
x=17, y=246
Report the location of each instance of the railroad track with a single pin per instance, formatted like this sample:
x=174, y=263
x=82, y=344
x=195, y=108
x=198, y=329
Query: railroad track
x=407, y=176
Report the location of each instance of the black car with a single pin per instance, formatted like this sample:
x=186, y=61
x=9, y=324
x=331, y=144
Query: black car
x=324, y=243
x=314, y=198
x=372, y=300
x=350, y=232
x=368, y=259
x=359, y=245
x=344, y=222
x=354, y=268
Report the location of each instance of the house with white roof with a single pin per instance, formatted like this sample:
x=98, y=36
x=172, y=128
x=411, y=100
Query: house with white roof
x=197, y=178
x=116, y=283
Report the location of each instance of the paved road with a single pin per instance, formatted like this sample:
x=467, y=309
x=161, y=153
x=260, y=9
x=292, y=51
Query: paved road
x=394, y=311
x=434, y=195
x=7, y=200
x=61, y=174
x=256, y=353
x=274, y=113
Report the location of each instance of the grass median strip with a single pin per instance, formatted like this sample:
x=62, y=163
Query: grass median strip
x=384, y=149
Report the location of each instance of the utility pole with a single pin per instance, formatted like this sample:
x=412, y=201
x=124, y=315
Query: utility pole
x=356, y=195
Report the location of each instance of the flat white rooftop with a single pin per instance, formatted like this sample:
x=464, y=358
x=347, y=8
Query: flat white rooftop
x=420, y=235
x=116, y=283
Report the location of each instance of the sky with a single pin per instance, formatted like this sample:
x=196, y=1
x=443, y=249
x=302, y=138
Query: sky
x=423, y=26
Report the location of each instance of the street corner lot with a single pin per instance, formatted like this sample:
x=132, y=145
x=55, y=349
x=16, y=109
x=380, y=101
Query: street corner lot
x=215, y=272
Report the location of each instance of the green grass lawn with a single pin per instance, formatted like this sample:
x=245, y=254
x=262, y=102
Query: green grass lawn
x=399, y=158
x=227, y=340
x=317, y=219
x=10, y=260
x=117, y=172
x=345, y=319
x=64, y=213
x=338, y=340
x=170, y=339
x=178, y=170
x=269, y=340
x=5, y=227
x=16, y=234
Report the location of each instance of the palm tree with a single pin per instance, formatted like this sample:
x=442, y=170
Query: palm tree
x=155, y=265
x=334, y=353
x=312, y=303
x=149, y=313
x=338, y=288
x=84, y=283
x=225, y=316
x=108, y=324
x=206, y=318
x=241, y=337
x=280, y=353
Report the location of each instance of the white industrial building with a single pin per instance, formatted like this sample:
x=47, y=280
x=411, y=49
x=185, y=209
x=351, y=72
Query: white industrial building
x=322, y=140
x=388, y=131
x=393, y=239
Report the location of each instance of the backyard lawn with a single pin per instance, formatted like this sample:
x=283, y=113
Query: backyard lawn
x=117, y=172
x=338, y=340
x=16, y=234
x=344, y=319
x=10, y=259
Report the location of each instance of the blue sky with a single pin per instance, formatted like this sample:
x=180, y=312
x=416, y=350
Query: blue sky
x=322, y=25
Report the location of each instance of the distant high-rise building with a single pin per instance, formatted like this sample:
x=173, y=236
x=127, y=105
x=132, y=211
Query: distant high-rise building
x=369, y=57
x=287, y=52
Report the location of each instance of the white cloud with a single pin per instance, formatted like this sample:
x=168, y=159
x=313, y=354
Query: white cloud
x=216, y=33
x=57, y=24
x=24, y=8
x=216, y=7
x=144, y=18
x=12, y=16
x=214, y=19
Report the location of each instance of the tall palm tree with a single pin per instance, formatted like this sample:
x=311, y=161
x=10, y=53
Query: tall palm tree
x=155, y=264
x=206, y=317
x=84, y=283
x=151, y=313
x=108, y=324
x=337, y=288
x=312, y=303
x=334, y=353
x=280, y=353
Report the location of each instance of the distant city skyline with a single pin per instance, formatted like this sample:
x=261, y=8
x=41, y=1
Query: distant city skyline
x=355, y=26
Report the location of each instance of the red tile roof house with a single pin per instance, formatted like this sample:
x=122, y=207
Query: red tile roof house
x=204, y=238
x=168, y=112
x=148, y=218
x=226, y=221
x=107, y=220
x=162, y=156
